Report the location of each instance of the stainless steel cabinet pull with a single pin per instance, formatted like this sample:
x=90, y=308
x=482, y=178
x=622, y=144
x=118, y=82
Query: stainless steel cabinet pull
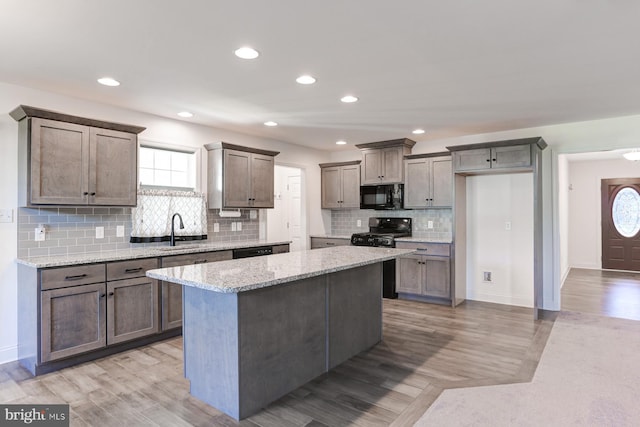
x=78, y=277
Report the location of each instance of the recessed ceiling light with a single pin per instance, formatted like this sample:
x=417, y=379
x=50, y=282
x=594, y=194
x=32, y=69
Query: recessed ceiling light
x=108, y=81
x=341, y=142
x=632, y=155
x=247, y=53
x=306, y=80
x=185, y=114
x=270, y=123
x=418, y=131
x=349, y=98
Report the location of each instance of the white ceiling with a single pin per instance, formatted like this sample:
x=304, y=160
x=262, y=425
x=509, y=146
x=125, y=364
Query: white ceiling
x=452, y=68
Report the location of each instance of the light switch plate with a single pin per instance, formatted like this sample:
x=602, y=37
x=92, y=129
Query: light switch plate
x=6, y=215
x=429, y=224
x=239, y=226
x=99, y=232
x=216, y=227
x=233, y=226
x=120, y=231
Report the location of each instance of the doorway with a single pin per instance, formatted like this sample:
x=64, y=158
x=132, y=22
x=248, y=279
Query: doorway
x=286, y=220
x=620, y=224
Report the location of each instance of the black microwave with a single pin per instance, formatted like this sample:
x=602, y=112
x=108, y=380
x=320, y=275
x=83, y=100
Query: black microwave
x=379, y=197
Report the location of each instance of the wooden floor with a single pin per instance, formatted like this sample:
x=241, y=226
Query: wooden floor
x=426, y=348
x=605, y=292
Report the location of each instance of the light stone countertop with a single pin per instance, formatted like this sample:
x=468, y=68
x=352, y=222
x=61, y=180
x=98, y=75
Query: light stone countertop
x=137, y=253
x=247, y=274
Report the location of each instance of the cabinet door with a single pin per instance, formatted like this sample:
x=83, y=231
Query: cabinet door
x=437, y=277
x=262, y=176
x=73, y=321
x=132, y=309
x=392, y=162
x=371, y=166
x=237, y=179
x=410, y=274
x=511, y=157
x=350, y=187
x=441, y=183
x=416, y=183
x=59, y=163
x=331, y=187
x=113, y=168
x=470, y=160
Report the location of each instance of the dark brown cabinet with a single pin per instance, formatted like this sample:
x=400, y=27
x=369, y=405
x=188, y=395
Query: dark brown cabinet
x=340, y=185
x=68, y=160
x=240, y=177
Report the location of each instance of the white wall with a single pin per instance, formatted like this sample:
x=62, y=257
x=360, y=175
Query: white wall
x=585, y=232
x=563, y=215
x=493, y=203
x=159, y=129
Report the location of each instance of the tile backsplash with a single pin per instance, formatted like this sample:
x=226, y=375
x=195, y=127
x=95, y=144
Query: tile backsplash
x=344, y=222
x=73, y=230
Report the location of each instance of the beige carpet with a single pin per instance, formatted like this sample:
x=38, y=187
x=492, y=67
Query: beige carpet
x=589, y=375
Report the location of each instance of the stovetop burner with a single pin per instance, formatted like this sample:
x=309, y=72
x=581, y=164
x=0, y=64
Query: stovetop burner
x=383, y=232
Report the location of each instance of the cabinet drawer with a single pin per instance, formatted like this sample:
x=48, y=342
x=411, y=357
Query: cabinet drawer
x=434, y=249
x=71, y=276
x=201, y=258
x=280, y=249
x=321, y=242
x=130, y=269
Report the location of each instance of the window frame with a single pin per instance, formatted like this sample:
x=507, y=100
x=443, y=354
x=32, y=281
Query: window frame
x=197, y=151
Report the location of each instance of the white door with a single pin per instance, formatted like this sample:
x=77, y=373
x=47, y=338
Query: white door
x=294, y=203
x=286, y=220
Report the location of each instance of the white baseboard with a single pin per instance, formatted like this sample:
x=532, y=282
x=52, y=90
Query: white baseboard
x=8, y=354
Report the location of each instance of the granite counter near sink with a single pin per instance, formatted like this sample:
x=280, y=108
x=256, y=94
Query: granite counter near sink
x=144, y=252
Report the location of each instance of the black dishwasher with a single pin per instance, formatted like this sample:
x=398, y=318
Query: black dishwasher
x=251, y=252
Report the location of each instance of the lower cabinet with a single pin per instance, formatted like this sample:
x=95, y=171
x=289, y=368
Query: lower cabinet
x=426, y=274
x=132, y=309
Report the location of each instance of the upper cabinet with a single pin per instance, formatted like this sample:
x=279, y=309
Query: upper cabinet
x=240, y=177
x=496, y=157
x=428, y=181
x=69, y=160
x=383, y=162
x=340, y=185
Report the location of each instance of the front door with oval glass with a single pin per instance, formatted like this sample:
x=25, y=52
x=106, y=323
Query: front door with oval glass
x=621, y=224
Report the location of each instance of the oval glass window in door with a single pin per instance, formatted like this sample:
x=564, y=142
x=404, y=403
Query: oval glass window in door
x=625, y=212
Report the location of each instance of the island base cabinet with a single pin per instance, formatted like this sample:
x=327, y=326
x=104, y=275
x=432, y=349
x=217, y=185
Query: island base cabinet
x=73, y=321
x=245, y=350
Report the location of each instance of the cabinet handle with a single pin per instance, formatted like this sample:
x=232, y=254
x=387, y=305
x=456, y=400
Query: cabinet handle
x=86, y=193
x=488, y=160
x=494, y=160
x=111, y=294
x=200, y=261
x=423, y=249
x=330, y=244
x=132, y=270
x=78, y=277
x=93, y=194
x=102, y=295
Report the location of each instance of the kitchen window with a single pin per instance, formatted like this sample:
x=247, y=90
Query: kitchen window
x=163, y=166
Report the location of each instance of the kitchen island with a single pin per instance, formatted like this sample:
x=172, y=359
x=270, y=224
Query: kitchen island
x=256, y=329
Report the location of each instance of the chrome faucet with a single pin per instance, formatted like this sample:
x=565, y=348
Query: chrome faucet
x=172, y=240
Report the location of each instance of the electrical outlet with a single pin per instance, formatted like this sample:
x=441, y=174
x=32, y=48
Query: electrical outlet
x=239, y=226
x=120, y=231
x=216, y=227
x=359, y=223
x=430, y=224
x=507, y=225
x=99, y=232
x=40, y=233
x=486, y=276
x=6, y=215
x=233, y=226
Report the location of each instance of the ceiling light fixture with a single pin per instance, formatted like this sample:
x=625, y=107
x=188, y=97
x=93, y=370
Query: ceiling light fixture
x=185, y=114
x=632, y=155
x=306, y=80
x=270, y=123
x=349, y=99
x=418, y=131
x=246, y=52
x=341, y=142
x=108, y=81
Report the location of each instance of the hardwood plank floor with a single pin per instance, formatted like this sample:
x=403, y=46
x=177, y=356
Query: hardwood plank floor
x=606, y=292
x=426, y=348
